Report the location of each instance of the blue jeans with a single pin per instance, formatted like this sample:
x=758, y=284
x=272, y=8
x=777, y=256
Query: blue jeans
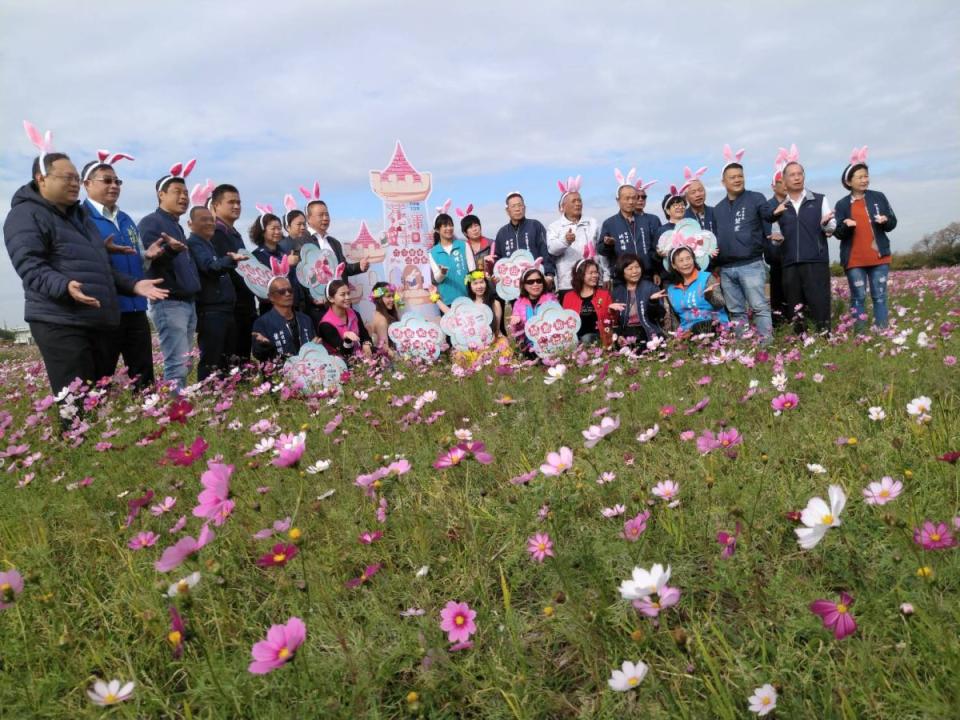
x=744, y=289
x=876, y=276
x=176, y=323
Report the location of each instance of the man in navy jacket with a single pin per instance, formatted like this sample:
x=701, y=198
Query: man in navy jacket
x=523, y=233
x=739, y=219
x=132, y=338
x=69, y=284
x=225, y=203
x=176, y=317
x=631, y=231
x=697, y=208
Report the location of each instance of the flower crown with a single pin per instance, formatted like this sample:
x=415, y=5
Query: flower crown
x=474, y=275
x=382, y=291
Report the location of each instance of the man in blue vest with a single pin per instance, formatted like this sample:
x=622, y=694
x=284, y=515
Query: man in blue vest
x=806, y=221
x=118, y=230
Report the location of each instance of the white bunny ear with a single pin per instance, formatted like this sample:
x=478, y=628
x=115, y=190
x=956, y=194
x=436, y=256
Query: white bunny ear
x=289, y=203
x=631, y=176
x=727, y=153
x=338, y=271
x=619, y=176
x=576, y=183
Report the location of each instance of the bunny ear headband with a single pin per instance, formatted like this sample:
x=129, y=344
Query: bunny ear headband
x=462, y=213
x=264, y=210
x=625, y=181
x=337, y=275
x=445, y=208
x=571, y=186
x=857, y=157
x=43, y=143
x=311, y=196
x=689, y=176
x=289, y=204
x=674, y=194
x=179, y=171
x=730, y=158
x=104, y=157
x=589, y=253
x=201, y=194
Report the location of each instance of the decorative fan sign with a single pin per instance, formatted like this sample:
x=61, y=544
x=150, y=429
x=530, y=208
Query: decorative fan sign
x=256, y=275
x=316, y=268
x=417, y=339
x=552, y=330
x=507, y=272
x=688, y=233
x=314, y=368
x=468, y=325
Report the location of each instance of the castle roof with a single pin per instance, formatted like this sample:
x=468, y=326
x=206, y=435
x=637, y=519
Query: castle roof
x=400, y=166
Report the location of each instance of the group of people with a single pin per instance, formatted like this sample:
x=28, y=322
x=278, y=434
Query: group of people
x=91, y=274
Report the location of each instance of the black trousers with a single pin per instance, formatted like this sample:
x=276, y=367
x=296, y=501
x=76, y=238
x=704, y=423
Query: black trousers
x=808, y=284
x=217, y=340
x=779, y=309
x=133, y=343
x=245, y=312
x=71, y=352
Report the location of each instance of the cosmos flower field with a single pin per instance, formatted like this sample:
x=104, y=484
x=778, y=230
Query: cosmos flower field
x=709, y=530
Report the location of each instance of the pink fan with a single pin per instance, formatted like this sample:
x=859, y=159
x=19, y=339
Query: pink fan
x=43, y=143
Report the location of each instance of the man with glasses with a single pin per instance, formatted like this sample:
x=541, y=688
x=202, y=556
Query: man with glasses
x=175, y=317
x=119, y=232
x=69, y=284
x=523, y=233
x=631, y=231
x=281, y=331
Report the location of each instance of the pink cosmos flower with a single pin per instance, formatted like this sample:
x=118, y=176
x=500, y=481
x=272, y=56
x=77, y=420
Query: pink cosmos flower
x=524, y=478
x=179, y=411
x=595, y=433
x=728, y=541
x=279, y=556
x=785, y=401
x=399, y=467
x=178, y=525
x=478, y=450
x=134, y=506
x=213, y=501
x=687, y=435
x=701, y=404
x=143, y=540
x=729, y=437
x=289, y=449
x=934, y=536
x=450, y=458
x=367, y=538
x=558, y=462
x=880, y=493
x=836, y=616
x=279, y=526
x=667, y=597
x=635, y=526
x=177, y=634
x=666, y=490
x=707, y=442
x=184, y=456
x=615, y=511
x=382, y=510
x=333, y=424
x=457, y=620
x=163, y=507
x=11, y=585
x=540, y=546
x=279, y=647
x=368, y=572
x=185, y=547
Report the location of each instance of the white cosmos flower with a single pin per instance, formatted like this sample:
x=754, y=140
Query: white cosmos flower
x=876, y=413
x=763, y=700
x=645, y=582
x=555, y=373
x=816, y=468
x=111, y=693
x=183, y=585
x=919, y=406
x=628, y=676
x=818, y=517
x=318, y=467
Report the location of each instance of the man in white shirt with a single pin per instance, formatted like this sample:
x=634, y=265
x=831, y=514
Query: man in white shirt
x=569, y=236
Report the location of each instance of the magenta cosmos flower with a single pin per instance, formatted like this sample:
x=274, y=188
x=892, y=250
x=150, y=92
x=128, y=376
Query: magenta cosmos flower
x=177, y=634
x=179, y=411
x=880, y=493
x=934, y=536
x=635, y=526
x=143, y=540
x=289, y=449
x=279, y=647
x=185, y=547
x=728, y=541
x=540, y=547
x=185, y=456
x=451, y=458
x=368, y=572
x=558, y=462
x=11, y=585
x=456, y=619
x=836, y=616
x=786, y=401
x=279, y=556
x=667, y=597
x=213, y=502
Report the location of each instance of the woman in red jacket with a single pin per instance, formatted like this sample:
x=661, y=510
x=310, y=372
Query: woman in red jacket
x=591, y=302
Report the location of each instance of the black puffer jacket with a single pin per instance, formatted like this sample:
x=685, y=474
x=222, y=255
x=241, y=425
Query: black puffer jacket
x=48, y=249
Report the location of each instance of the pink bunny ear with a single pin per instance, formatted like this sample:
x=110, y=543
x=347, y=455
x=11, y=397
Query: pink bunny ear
x=102, y=155
x=794, y=154
x=188, y=168
x=119, y=156
x=563, y=188
x=469, y=208
x=305, y=193
x=201, y=193
x=641, y=186
x=264, y=209
x=338, y=271
x=275, y=266
x=739, y=154
x=858, y=155
x=538, y=263
x=727, y=153
x=175, y=169
x=289, y=203
x=285, y=265
x=43, y=143
x=316, y=189
x=575, y=185
x=631, y=176
x=589, y=251
x=619, y=176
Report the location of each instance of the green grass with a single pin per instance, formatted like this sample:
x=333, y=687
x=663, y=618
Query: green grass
x=93, y=608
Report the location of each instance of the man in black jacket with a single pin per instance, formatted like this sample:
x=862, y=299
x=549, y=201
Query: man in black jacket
x=225, y=203
x=70, y=287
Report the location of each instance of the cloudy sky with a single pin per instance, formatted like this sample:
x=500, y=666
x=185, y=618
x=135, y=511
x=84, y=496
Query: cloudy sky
x=489, y=97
